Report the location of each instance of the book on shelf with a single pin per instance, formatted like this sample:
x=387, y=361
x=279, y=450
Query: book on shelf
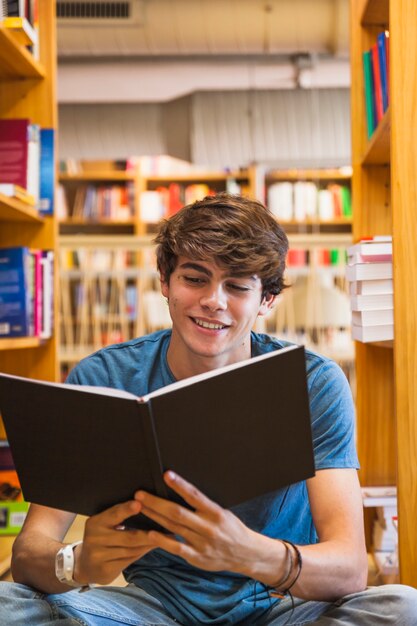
x=377, y=83
x=15, y=191
x=369, y=91
x=370, y=302
x=15, y=292
x=382, y=53
x=280, y=200
x=369, y=271
x=325, y=205
x=26, y=292
x=371, y=287
x=47, y=298
x=305, y=200
x=244, y=445
x=47, y=171
x=22, y=30
x=379, y=496
x=151, y=207
x=13, y=509
x=377, y=250
x=373, y=317
x=19, y=154
x=365, y=334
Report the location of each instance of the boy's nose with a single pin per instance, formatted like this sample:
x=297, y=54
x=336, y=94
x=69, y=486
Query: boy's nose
x=214, y=299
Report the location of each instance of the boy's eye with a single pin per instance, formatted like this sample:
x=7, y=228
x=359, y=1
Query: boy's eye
x=238, y=287
x=194, y=280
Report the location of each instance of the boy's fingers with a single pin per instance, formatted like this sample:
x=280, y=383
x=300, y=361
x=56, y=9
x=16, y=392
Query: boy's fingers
x=193, y=496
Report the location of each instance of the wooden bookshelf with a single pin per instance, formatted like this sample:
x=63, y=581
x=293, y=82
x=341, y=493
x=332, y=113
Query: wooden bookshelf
x=96, y=176
x=27, y=90
x=19, y=343
x=332, y=174
x=378, y=149
x=317, y=222
x=15, y=61
x=14, y=210
x=385, y=196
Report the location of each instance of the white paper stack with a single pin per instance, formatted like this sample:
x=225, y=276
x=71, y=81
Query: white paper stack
x=369, y=273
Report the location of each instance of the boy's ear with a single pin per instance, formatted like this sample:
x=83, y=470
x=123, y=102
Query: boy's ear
x=267, y=303
x=164, y=286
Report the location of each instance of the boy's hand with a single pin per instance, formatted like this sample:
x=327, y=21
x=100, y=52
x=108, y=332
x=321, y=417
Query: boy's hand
x=214, y=539
x=106, y=549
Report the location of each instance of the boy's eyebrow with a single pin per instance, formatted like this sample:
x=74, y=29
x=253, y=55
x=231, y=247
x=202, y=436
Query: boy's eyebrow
x=204, y=270
x=195, y=266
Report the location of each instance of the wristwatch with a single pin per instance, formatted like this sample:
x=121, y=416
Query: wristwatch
x=64, y=566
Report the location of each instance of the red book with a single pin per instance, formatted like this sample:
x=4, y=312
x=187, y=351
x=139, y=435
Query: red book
x=175, y=203
x=376, y=73
x=20, y=154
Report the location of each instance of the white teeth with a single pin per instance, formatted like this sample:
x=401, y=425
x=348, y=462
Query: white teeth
x=208, y=325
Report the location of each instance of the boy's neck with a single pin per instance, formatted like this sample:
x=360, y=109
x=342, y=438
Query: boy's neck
x=184, y=364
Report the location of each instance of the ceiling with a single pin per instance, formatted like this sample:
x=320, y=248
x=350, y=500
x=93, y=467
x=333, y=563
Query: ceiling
x=158, y=50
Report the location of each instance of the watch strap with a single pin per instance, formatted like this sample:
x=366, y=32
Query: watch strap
x=64, y=566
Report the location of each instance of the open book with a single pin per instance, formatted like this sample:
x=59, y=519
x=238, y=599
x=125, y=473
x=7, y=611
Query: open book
x=236, y=433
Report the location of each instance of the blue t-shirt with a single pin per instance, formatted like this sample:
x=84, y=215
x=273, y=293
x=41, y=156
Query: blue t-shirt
x=191, y=595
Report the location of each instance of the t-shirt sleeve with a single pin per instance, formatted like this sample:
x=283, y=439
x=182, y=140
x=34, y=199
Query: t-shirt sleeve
x=90, y=371
x=332, y=418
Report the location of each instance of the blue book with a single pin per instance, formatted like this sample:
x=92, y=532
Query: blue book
x=15, y=292
x=383, y=70
x=47, y=171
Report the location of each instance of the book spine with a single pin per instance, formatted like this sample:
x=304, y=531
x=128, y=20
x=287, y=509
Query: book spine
x=38, y=293
x=383, y=69
x=14, y=292
x=153, y=452
x=14, y=151
x=47, y=172
x=370, y=122
x=377, y=83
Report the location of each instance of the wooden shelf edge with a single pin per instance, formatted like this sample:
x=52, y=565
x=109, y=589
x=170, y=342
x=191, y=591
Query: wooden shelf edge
x=99, y=222
x=321, y=175
x=110, y=176
x=375, y=13
x=18, y=343
x=15, y=210
x=197, y=177
x=378, y=148
x=388, y=344
x=317, y=222
x=15, y=60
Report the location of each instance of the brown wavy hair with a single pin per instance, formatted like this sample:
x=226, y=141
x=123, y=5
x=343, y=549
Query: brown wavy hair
x=236, y=232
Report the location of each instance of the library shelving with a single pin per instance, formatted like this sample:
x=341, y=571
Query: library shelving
x=27, y=90
x=385, y=196
x=100, y=201
x=323, y=195
x=177, y=189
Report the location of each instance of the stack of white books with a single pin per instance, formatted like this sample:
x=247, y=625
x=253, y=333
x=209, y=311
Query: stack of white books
x=384, y=530
x=369, y=273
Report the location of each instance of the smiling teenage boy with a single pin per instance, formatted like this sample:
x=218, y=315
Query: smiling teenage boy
x=291, y=557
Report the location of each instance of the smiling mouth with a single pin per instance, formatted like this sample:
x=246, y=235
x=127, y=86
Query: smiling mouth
x=208, y=325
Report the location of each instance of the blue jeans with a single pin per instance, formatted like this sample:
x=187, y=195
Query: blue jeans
x=395, y=605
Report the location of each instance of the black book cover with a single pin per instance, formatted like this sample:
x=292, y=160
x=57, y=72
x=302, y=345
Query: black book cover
x=236, y=433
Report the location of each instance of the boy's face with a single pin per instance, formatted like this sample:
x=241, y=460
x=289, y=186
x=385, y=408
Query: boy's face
x=212, y=313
